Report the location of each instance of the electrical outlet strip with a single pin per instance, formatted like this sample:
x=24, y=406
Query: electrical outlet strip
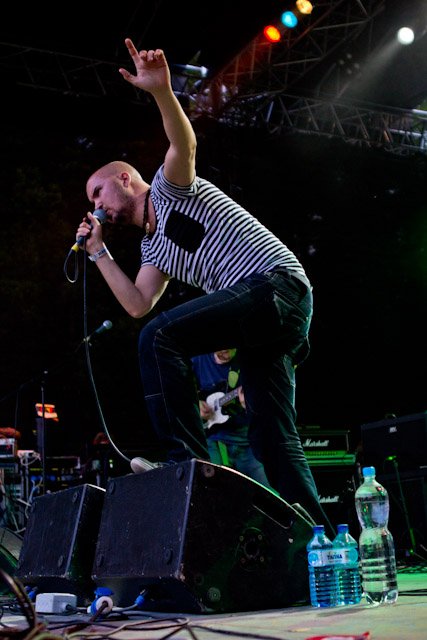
x=54, y=602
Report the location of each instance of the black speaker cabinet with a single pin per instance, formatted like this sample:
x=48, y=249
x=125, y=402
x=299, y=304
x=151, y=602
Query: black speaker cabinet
x=404, y=438
x=10, y=548
x=59, y=543
x=408, y=511
x=200, y=538
x=336, y=485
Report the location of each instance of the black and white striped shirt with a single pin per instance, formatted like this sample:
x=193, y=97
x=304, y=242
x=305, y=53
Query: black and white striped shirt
x=206, y=239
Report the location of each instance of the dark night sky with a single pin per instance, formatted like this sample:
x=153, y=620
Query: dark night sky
x=356, y=217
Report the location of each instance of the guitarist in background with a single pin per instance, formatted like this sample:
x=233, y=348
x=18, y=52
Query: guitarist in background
x=227, y=426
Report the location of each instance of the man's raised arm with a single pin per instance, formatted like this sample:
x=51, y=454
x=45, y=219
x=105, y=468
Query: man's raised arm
x=152, y=75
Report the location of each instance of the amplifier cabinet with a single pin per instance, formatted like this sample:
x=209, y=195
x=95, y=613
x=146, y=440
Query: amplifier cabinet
x=336, y=485
x=324, y=442
x=404, y=438
x=408, y=510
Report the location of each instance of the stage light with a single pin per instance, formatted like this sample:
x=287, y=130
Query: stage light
x=405, y=35
x=272, y=33
x=289, y=19
x=304, y=7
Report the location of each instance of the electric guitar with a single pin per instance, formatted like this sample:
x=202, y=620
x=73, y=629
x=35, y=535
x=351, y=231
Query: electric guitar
x=216, y=401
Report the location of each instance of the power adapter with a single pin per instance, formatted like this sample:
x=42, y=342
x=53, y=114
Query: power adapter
x=54, y=602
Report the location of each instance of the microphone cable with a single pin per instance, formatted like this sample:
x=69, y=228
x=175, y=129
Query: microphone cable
x=87, y=351
x=76, y=267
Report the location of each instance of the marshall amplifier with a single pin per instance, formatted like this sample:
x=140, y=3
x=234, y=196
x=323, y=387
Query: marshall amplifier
x=404, y=438
x=324, y=444
x=334, y=471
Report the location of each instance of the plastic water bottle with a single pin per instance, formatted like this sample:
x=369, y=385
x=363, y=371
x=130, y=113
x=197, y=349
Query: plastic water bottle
x=321, y=569
x=346, y=565
x=376, y=547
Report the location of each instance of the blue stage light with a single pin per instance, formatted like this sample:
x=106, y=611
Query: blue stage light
x=289, y=19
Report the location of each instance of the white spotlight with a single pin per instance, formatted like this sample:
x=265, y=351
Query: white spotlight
x=405, y=35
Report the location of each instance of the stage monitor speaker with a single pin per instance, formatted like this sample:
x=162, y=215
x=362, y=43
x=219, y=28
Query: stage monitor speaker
x=200, y=538
x=60, y=539
x=10, y=548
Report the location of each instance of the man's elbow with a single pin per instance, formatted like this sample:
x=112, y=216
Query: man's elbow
x=139, y=311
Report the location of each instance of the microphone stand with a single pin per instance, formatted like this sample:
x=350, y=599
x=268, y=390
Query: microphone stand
x=41, y=422
x=41, y=434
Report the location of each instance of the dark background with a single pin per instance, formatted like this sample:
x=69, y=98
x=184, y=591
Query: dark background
x=355, y=216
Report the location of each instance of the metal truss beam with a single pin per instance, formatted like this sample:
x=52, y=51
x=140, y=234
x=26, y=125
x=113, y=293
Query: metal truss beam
x=400, y=131
x=298, y=84
x=304, y=60
x=260, y=67
x=65, y=73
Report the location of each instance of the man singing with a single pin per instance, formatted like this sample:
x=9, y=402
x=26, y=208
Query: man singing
x=258, y=297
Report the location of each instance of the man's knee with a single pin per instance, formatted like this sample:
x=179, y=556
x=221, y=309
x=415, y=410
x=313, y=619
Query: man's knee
x=150, y=331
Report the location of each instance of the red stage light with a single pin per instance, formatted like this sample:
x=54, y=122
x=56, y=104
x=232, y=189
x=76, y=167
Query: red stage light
x=272, y=33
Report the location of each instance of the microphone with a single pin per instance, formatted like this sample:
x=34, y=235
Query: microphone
x=107, y=324
x=101, y=216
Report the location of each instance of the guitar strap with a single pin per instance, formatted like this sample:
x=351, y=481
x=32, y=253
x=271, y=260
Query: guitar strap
x=223, y=453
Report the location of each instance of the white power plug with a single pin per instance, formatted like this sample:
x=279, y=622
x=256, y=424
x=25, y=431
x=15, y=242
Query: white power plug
x=54, y=602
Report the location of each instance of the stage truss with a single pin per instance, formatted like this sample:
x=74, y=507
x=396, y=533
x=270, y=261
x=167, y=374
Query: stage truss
x=300, y=84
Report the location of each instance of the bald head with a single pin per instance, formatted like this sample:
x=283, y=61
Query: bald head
x=119, y=189
x=118, y=170
x=115, y=168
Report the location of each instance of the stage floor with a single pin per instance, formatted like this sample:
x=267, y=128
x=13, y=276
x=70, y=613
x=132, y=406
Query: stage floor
x=405, y=620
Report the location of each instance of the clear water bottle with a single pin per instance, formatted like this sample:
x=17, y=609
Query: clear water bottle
x=321, y=573
x=376, y=547
x=346, y=565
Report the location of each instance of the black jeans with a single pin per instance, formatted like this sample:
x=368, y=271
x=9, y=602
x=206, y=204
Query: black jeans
x=267, y=318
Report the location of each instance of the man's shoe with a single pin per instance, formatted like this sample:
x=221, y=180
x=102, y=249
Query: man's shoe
x=139, y=465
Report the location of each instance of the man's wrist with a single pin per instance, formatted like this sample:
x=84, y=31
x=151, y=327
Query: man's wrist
x=100, y=254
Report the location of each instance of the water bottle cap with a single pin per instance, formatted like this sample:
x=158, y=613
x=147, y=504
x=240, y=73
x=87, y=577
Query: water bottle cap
x=319, y=528
x=368, y=472
x=342, y=528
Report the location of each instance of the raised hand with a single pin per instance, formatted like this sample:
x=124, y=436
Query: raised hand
x=151, y=69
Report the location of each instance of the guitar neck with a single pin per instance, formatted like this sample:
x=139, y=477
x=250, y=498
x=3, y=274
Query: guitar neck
x=228, y=397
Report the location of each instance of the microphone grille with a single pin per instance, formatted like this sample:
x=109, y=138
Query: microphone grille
x=100, y=215
x=107, y=324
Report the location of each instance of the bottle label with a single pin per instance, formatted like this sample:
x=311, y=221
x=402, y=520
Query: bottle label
x=320, y=557
x=324, y=557
x=346, y=556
